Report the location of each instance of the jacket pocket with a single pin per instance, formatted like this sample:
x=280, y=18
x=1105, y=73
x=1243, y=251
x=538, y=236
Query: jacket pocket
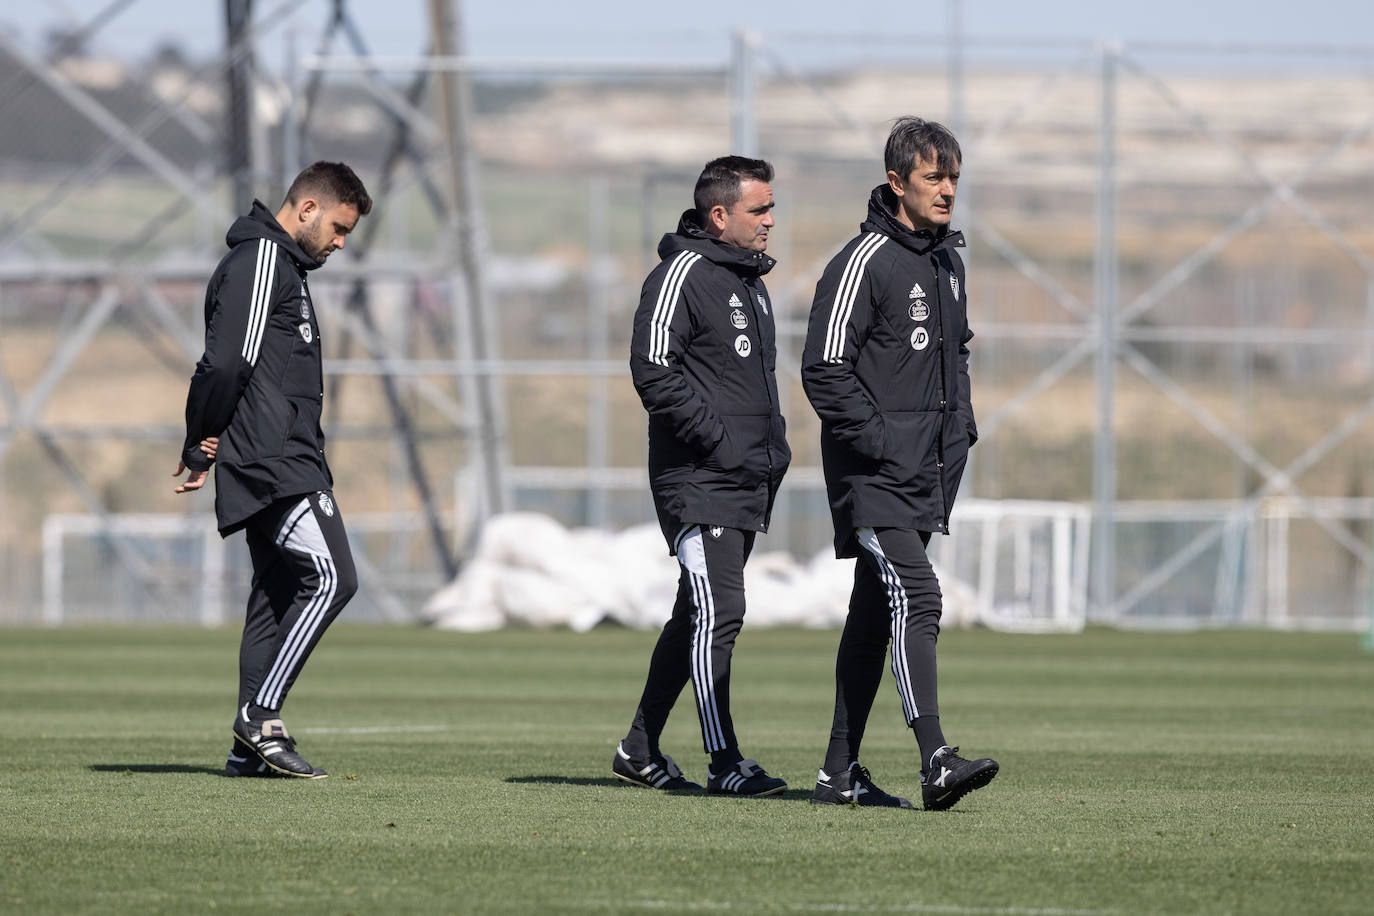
x=292, y=415
x=742, y=453
x=909, y=441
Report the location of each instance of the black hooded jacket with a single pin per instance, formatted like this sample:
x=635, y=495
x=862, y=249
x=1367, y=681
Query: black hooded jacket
x=259, y=385
x=886, y=368
x=703, y=358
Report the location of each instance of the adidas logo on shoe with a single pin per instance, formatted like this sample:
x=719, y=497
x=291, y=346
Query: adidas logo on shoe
x=243, y=762
x=745, y=778
x=274, y=746
x=653, y=773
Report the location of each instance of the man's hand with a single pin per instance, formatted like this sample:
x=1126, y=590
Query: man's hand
x=197, y=479
x=194, y=482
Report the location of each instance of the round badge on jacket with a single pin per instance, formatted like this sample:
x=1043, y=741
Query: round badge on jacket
x=920, y=339
x=742, y=345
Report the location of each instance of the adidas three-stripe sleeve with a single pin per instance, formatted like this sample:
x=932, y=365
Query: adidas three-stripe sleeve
x=662, y=331
x=238, y=306
x=842, y=316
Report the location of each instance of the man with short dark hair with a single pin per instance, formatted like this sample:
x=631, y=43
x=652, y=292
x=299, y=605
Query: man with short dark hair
x=254, y=410
x=703, y=357
x=886, y=368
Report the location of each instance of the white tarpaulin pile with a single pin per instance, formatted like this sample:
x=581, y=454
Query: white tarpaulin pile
x=528, y=570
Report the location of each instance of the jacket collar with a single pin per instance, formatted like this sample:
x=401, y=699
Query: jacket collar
x=882, y=218
x=690, y=236
x=261, y=223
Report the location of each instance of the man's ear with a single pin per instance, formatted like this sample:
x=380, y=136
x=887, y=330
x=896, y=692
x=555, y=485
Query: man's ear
x=896, y=183
x=718, y=217
x=307, y=209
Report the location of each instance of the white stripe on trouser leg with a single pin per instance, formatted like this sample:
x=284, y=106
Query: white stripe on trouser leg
x=294, y=516
x=896, y=598
x=304, y=537
x=703, y=672
x=692, y=555
x=289, y=657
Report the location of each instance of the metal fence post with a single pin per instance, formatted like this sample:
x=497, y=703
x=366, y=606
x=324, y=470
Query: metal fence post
x=1105, y=292
x=744, y=140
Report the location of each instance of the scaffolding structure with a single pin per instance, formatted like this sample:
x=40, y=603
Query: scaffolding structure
x=1104, y=316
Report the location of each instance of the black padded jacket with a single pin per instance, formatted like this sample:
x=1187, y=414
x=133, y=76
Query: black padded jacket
x=886, y=368
x=703, y=358
x=259, y=384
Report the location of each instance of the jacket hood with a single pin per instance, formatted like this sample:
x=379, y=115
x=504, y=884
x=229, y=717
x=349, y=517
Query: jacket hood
x=260, y=223
x=690, y=236
x=882, y=218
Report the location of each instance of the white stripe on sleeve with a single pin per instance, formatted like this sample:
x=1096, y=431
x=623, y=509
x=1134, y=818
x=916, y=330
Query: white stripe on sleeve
x=668, y=295
x=845, y=295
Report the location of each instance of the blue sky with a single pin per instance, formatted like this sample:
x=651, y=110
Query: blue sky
x=698, y=30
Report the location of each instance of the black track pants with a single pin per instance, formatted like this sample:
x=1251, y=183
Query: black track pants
x=896, y=597
x=302, y=577
x=696, y=643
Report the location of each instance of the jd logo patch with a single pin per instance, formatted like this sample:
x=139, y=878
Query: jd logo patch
x=307, y=335
x=920, y=339
x=742, y=346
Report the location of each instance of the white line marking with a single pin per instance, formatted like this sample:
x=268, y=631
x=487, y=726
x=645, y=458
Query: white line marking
x=724, y=905
x=375, y=729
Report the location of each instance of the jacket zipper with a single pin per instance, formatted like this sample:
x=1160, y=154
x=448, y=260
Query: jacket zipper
x=767, y=390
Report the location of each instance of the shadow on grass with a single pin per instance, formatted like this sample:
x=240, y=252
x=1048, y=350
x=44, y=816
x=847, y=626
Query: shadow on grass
x=803, y=795
x=155, y=768
x=567, y=780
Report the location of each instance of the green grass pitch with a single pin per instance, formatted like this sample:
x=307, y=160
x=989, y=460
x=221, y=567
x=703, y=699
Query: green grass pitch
x=1219, y=772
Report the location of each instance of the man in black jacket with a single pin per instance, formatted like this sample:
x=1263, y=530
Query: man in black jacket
x=886, y=368
x=703, y=358
x=254, y=410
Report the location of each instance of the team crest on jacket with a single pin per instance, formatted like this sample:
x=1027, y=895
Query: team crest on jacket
x=738, y=320
x=763, y=303
x=920, y=339
x=742, y=346
x=954, y=285
x=326, y=504
x=717, y=531
x=306, y=334
x=919, y=311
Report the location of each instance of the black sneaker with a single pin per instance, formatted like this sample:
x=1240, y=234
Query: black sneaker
x=951, y=777
x=272, y=744
x=854, y=786
x=745, y=778
x=652, y=773
x=243, y=762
